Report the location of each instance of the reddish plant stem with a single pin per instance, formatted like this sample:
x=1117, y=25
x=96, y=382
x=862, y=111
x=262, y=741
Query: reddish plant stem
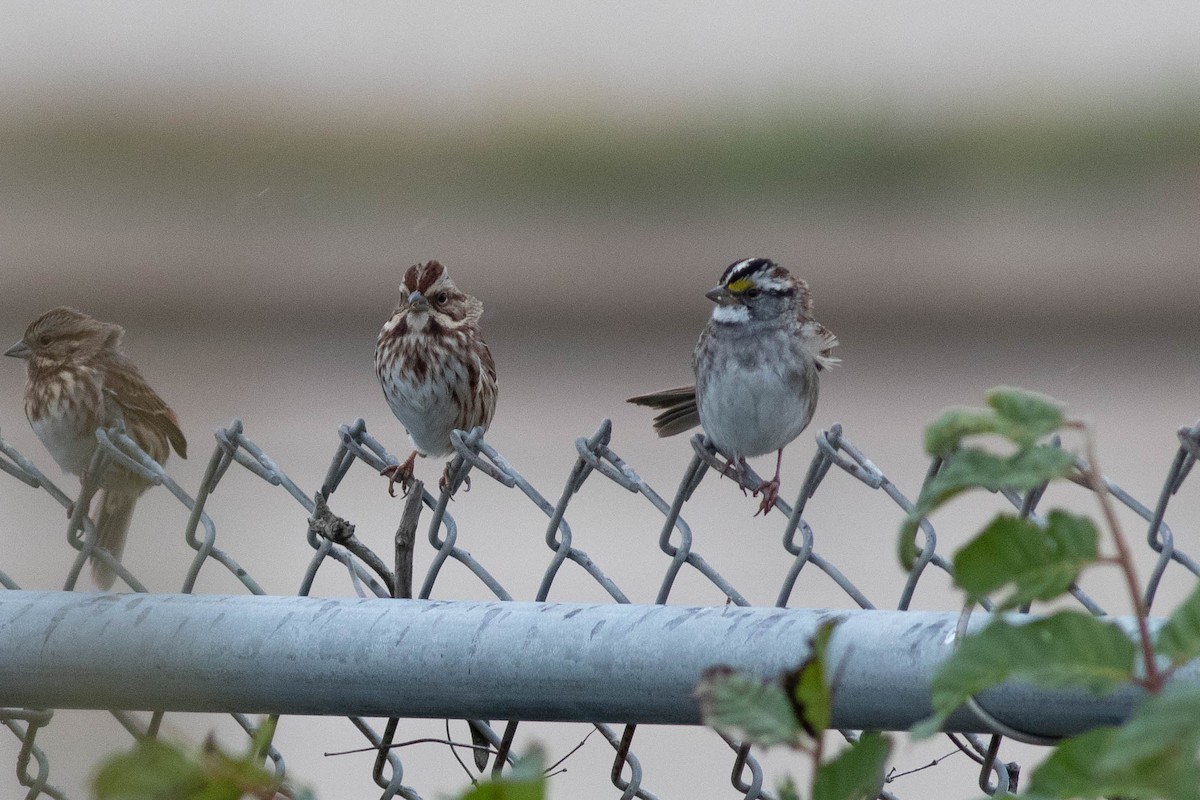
x=1154, y=679
x=818, y=753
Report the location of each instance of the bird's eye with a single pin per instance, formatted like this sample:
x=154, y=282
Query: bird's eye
x=752, y=293
x=44, y=339
x=441, y=298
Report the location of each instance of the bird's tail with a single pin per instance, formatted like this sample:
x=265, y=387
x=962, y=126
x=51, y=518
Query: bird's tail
x=680, y=412
x=112, y=525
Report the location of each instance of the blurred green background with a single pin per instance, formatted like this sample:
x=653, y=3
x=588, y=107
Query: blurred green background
x=562, y=211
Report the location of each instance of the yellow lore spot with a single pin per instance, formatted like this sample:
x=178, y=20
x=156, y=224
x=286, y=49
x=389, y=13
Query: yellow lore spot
x=740, y=285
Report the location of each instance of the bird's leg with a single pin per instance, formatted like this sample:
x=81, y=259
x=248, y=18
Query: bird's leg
x=735, y=467
x=84, y=477
x=445, y=480
x=769, y=489
x=400, y=472
x=742, y=466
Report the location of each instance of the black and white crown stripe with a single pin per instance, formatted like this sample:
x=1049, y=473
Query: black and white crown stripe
x=762, y=271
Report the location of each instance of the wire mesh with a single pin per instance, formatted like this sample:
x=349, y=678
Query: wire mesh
x=336, y=547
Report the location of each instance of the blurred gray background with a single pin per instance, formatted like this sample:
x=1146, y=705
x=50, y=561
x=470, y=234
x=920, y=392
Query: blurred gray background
x=978, y=194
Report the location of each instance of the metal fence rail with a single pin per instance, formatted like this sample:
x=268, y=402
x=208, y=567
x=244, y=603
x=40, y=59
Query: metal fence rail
x=335, y=547
x=440, y=658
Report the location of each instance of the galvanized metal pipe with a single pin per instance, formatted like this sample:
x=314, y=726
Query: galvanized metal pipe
x=529, y=661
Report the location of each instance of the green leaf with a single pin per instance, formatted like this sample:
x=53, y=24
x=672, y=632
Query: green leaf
x=153, y=770
x=1070, y=769
x=907, y=550
x=973, y=467
x=527, y=781
x=1167, y=721
x=506, y=789
x=976, y=468
x=1153, y=755
x=1068, y=649
x=930, y=726
x=787, y=790
x=229, y=778
x=1018, y=415
x=807, y=686
x=1028, y=415
x=857, y=773
x=1179, y=637
x=747, y=707
x=1040, y=563
x=156, y=770
x=945, y=434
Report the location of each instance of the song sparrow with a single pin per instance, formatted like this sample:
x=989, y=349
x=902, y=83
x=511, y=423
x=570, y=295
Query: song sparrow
x=80, y=381
x=757, y=366
x=435, y=369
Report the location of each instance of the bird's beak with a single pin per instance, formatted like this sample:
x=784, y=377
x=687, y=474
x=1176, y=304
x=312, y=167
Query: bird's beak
x=721, y=296
x=19, y=350
x=418, y=302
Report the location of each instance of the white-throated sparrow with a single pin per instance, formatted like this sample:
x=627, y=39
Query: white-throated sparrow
x=757, y=366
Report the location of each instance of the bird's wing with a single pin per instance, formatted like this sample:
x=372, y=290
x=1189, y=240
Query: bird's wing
x=820, y=341
x=141, y=404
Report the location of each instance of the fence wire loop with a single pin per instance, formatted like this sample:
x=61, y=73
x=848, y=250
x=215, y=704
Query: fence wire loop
x=473, y=450
x=992, y=765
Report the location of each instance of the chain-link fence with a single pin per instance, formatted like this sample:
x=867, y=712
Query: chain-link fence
x=335, y=547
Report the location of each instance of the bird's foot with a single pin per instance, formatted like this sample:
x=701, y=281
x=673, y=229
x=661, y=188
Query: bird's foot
x=736, y=468
x=445, y=479
x=397, y=474
x=402, y=473
x=770, y=493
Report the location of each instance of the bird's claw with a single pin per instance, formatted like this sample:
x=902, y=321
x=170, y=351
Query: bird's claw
x=403, y=473
x=444, y=483
x=394, y=473
x=735, y=468
x=770, y=493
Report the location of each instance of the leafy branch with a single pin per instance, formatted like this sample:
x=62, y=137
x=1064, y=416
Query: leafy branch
x=155, y=769
x=794, y=710
x=1151, y=755
x=526, y=781
x=1153, y=680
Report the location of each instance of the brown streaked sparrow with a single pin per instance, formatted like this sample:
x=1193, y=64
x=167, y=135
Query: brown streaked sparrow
x=79, y=381
x=435, y=369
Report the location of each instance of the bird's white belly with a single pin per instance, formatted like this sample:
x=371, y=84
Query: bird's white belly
x=427, y=412
x=752, y=412
x=69, y=446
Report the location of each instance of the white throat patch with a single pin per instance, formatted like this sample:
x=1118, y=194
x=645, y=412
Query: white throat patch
x=734, y=313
